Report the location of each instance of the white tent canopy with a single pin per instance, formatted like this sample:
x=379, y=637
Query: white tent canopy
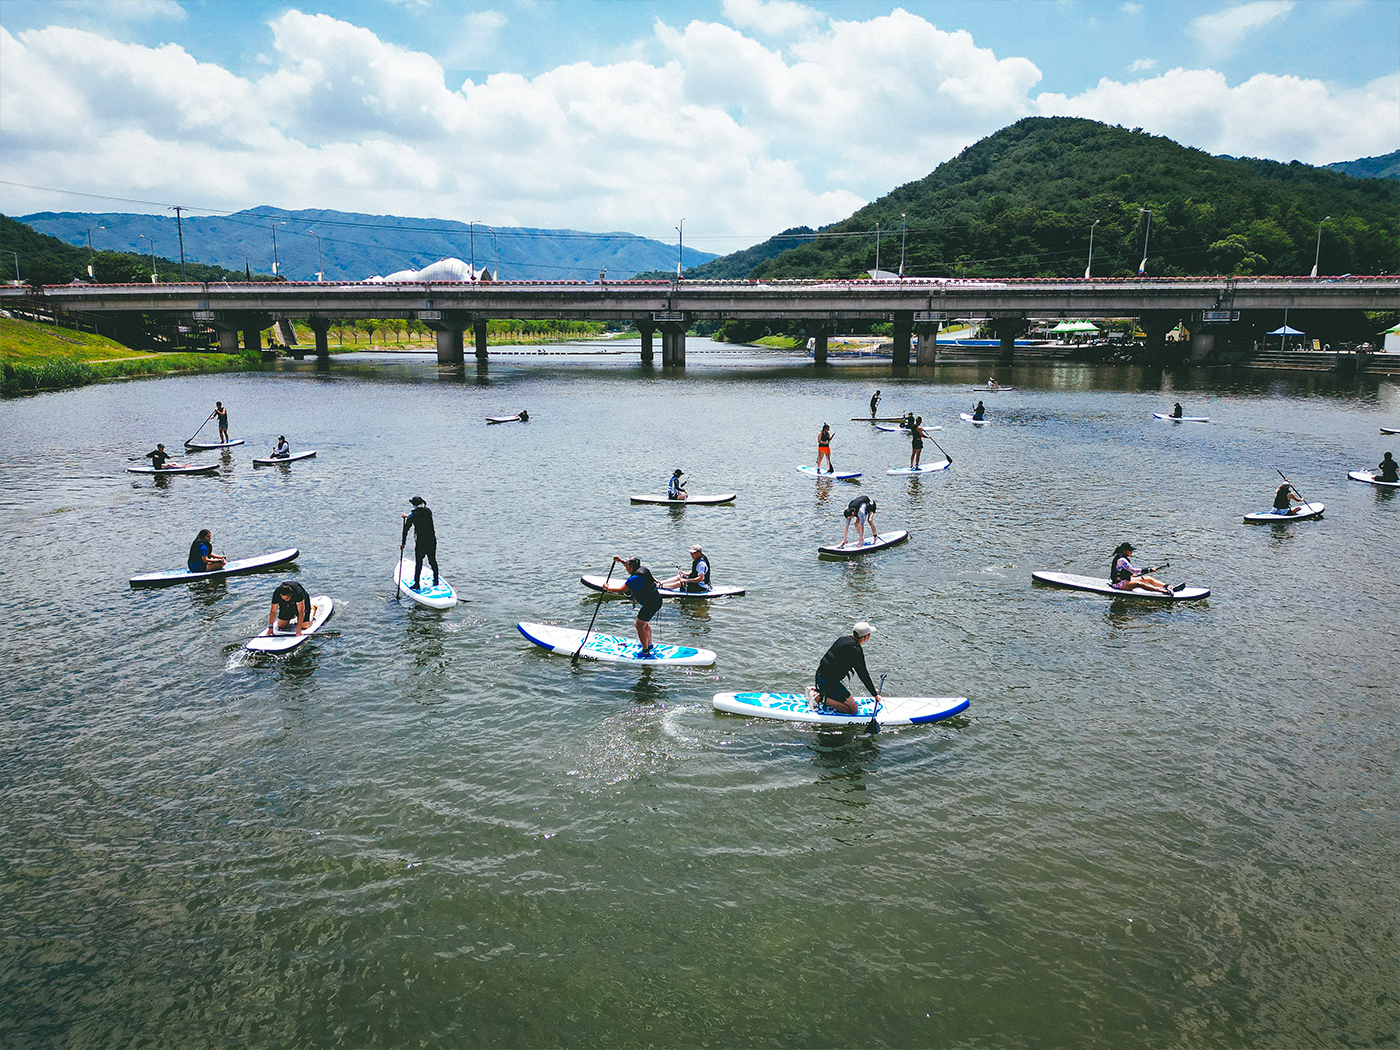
x=1285, y=330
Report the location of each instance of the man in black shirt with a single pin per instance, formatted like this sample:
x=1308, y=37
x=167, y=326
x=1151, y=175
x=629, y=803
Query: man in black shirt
x=420, y=520
x=843, y=658
x=290, y=605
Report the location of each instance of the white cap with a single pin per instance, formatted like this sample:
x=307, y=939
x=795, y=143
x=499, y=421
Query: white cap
x=862, y=630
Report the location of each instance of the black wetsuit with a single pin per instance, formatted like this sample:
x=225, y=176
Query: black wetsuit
x=157, y=458
x=844, y=657
x=1281, y=500
x=420, y=520
x=641, y=585
x=199, y=550
x=287, y=607
x=1386, y=471
x=918, y=436
x=874, y=400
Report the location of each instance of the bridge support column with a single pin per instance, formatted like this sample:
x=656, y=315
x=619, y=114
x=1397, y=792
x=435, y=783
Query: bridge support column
x=903, y=328
x=926, y=346
x=648, y=330
x=228, y=340
x=1007, y=329
x=673, y=344
x=1157, y=323
x=449, y=345
x=319, y=327
x=819, y=334
x=252, y=339
x=479, y=330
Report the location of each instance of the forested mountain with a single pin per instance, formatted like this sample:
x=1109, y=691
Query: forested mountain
x=41, y=259
x=1386, y=166
x=1021, y=203
x=353, y=246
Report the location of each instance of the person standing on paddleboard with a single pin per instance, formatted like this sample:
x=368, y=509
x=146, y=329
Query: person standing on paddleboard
x=697, y=581
x=979, y=412
x=640, y=586
x=843, y=658
x=675, y=488
x=420, y=520
x=917, y=433
x=860, y=510
x=158, y=456
x=1284, y=499
x=873, y=402
x=290, y=605
x=202, y=557
x=1385, y=469
x=1125, y=576
x=824, y=449
x=221, y=414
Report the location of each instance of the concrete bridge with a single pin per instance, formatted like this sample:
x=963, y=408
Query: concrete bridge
x=1209, y=305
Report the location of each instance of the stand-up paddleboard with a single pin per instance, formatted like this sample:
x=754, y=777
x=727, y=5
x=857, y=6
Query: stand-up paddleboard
x=1370, y=478
x=1302, y=512
x=840, y=475
x=876, y=419
x=693, y=501
x=505, y=419
x=921, y=469
x=286, y=641
x=178, y=468
x=274, y=461
x=597, y=583
x=434, y=596
x=1389, y=430
x=610, y=649
x=231, y=568
x=853, y=550
x=991, y=389
x=966, y=417
x=1099, y=585
x=794, y=707
x=1181, y=419
x=201, y=446
x=903, y=430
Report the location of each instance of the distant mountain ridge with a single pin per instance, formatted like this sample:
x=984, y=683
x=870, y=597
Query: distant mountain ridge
x=1386, y=166
x=354, y=245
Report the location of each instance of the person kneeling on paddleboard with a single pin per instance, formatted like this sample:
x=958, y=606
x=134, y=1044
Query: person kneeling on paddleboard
x=698, y=580
x=640, y=586
x=844, y=657
x=158, y=456
x=1385, y=469
x=979, y=412
x=860, y=510
x=290, y=605
x=202, y=557
x=420, y=520
x=1124, y=576
x=1176, y=410
x=824, y=449
x=675, y=488
x=1284, y=499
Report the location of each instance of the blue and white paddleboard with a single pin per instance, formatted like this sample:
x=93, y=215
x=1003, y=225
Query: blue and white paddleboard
x=202, y=446
x=795, y=707
x=610, y=649
x=231, y=568
x=614, y=586
x=1302, y=512
x=966, y=417
x=277, y=461
x=854, y=549
x=1370, y=477
x=697, y=500
x=1181, y=419
x=175, y=468
x=840, y=475
x=921, y=469
x=434, y=596
x=285, y=641
x=1099, y=585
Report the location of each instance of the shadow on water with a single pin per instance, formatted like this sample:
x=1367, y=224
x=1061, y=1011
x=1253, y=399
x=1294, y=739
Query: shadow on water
x=206, y=595
x=1124, y=612
x=842, y=758
x=647, y=689
x=428, y=664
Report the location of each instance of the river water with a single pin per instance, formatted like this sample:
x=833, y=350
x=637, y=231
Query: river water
x=1153, y=827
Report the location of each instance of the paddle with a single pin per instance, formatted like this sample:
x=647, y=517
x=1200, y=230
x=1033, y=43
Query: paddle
x=1293, y=487
x=398, y=575
x=201, y=427
x=873, y=726
x=584, y=640
x=945, y=455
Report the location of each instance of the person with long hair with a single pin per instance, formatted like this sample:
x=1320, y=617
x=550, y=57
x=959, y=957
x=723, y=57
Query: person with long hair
x=202, y=557
x=1124, y=575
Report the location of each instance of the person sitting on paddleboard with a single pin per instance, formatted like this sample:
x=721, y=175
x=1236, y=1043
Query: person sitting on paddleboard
x=1385, y=469
x=202, y=557
x=824, y=449
x=1284, y=499
x=873, y=402
x=524, y=416
x=1125, y=576
x=844, y=657
x=860, y=510
x=420, y=520
x=917, y=433
x=158, y=456
x=290, y=605
x=283, y=450
x=675, y=489
x=991, y=383
x=979, y=412
x=221, y=414
x=1176, y=410
x=640, y=586
x=697, y=581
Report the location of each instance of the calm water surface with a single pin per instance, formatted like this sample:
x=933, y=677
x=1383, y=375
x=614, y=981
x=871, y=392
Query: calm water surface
x=1153, y=827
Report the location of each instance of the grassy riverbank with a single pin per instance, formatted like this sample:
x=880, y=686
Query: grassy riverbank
x=41, y=357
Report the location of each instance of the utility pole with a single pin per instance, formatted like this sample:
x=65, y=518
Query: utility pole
x=90, y=251
x=903, y=233
x=680, y=248
x=1317, y=256
x=877, y=251
x=177, y=209
x=320, y=269
x=1142, y=266
x=1090, y=266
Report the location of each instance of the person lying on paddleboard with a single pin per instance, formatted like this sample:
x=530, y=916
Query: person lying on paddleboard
x=824, y=449
x=860, y=510
x=202, y=557
x=979, y=412
x=917, y=433
x=158, y=456
x=640, y=586
x=697, y=581
x=844, y=657
x=290, y=605
x=1176, y=410
x=1284, y=499
x=1125, y=576
x=1385, y=469
x=675, y=489
x=283, y=450
x=420, y=520
x=221, y=414
x=873, y=402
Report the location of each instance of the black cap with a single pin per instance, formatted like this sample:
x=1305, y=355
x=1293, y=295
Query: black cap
x=418, y=501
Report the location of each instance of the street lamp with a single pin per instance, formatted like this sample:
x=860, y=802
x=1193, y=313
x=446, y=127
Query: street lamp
x=680, y=250
x=17, y=277
x=1091, y=250
x=274, y=246
x=180, y=229
x=903, y=233
x=90, y=252
x=1318, y=254
x=877, y=251
x=1142, y=266
x=153, y=255
x=471, y=233
x=320, y=269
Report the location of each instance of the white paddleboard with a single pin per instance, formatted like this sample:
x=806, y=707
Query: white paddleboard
x=440, y=596
x=1389, y=430
x=273, y=461
x=840, y=475
x=178, y=468
x=876, y=419
x=693, y=501
x=610, y=649
x=921, y=469
x=614, y=586
x=1099, y=585
x=1371, y=478
x=202, y=445
x=794, y=707
x=991, y=389
x=503, y=419
x=1181, y=419
x=966, y=417
x=286, y=641
x=1302, y=512
x=892, y=428
x=231, y=568
x=852, y=550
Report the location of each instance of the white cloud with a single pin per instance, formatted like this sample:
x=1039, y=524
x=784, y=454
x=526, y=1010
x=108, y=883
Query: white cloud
x=1142, y=65
x=771, y=17
x=476, y=41
x=1222, y=33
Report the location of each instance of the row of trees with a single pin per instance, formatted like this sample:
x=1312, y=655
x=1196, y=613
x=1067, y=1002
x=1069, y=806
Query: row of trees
x=400, y=330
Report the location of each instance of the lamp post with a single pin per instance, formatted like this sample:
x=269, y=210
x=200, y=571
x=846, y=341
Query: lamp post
x=320, y=269
x=680, y=250
x=1142, y=266
x=471, y=234
x=877, y=251
x=153, y=255
x=1317, y=256
x=903, y=235
x=1090, y=265
x=90, y=251
x=274, y=246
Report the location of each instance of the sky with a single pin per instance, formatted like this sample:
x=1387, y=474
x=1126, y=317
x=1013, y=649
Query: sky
x=732, y=119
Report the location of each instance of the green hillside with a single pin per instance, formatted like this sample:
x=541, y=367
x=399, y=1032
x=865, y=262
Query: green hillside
x=47, y=260
x=1020, y=203
x=1386, y=166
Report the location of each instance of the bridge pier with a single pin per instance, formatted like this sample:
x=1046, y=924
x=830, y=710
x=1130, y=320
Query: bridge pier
x=903, y=328
x=819, y=334
x=1157, y=323
x=673, y=344
x=319, y=327
x=252, y=339
x=449, y=345
x=926, y=347
x=479, y=330
x=228, y=339
x=1007, y=329
x=647, y=329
